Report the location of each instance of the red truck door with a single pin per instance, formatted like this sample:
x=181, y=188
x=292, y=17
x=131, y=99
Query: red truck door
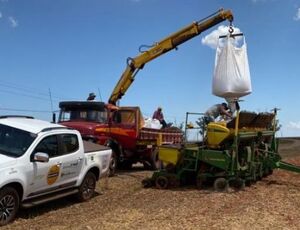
x=124, y=127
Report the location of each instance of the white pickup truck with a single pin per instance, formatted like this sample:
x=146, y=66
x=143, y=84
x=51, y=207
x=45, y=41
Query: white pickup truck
x=41, y=161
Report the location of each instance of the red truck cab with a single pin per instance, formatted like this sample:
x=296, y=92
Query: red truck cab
x=120, y=128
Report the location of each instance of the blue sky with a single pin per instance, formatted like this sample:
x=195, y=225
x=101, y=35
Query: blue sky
x=73, y=47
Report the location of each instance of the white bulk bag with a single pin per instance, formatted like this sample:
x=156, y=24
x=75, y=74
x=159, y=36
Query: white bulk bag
x=152, y=123
x=231, y=74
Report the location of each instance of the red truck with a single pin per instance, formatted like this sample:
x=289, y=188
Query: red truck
x=120, y=128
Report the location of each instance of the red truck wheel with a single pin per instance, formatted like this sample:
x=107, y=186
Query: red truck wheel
x=112, y=164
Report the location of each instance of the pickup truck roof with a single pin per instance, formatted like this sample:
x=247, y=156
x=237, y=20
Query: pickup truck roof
x=29, y=124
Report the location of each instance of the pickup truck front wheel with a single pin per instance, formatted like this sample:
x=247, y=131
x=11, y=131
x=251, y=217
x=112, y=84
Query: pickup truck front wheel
x=9, y=205
x=87, y=187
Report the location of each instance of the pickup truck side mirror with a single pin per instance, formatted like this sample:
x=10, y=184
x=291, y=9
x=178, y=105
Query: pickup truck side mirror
x=41, y=157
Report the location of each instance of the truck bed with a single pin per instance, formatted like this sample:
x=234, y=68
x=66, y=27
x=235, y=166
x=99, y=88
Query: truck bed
x=170, y=135
x=92, y=147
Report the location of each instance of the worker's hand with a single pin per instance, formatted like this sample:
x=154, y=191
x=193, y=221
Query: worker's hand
x=230, y=114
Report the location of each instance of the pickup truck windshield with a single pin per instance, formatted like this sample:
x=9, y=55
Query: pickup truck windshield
x=83, y=115
x=14, y=142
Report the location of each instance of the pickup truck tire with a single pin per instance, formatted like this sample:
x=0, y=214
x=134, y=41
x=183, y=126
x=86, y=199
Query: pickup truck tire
x=87, y=187
x=9, y=205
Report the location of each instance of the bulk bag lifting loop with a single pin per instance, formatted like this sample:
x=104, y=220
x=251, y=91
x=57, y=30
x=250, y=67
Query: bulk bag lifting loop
x=231, y=78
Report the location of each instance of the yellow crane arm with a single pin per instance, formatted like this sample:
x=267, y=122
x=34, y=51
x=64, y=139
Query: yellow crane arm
x=163, y=46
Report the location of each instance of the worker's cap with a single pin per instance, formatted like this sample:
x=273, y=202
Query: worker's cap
x=225, y=105
x=92, y=95
x=159, y=108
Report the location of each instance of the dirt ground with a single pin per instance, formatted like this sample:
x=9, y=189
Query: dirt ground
x=122, y=203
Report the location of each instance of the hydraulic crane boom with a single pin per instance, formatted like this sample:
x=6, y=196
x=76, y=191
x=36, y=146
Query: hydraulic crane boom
x=163, y=46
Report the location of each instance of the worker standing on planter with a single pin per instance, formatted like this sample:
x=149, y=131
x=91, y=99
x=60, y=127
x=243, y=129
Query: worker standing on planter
x=215, y=111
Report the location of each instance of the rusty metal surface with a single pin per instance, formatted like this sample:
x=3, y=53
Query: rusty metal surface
x=253, y=120
x=91, y=147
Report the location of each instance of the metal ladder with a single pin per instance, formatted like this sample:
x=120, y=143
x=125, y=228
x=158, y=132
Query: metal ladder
x=190, y=163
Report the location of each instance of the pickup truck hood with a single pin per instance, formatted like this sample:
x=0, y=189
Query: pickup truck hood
x=6, y=161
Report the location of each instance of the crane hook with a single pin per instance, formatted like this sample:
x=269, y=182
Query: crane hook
x=230, y=30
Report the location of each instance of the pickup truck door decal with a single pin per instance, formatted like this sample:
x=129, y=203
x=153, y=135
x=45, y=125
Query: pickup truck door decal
x=63, y=167
x=53, y=174
x=46, y=174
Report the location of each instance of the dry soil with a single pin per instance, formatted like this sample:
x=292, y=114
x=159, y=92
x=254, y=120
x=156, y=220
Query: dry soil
x=122, y=203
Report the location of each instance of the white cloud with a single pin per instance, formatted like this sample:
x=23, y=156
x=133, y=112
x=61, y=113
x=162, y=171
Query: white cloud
x=297, y=16
x=13, y=22
x=212, y=39
x=294, y=125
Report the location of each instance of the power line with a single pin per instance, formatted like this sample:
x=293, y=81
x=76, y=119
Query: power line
x=21, y=88
x=30, y=90
x=25, y=110
x=25, y=95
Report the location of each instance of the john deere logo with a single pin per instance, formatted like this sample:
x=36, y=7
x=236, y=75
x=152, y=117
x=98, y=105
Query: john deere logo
x=53, y=174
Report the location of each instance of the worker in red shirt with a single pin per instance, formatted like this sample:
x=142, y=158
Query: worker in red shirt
x=159, y=116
